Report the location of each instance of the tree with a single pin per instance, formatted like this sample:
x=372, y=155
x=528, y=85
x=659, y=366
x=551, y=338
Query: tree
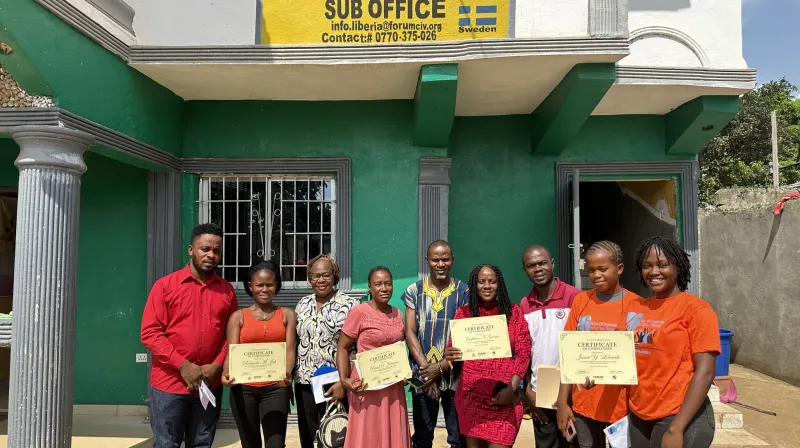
x=740, y=155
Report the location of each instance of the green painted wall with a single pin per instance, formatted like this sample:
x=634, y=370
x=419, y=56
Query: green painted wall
x=112, y=278
x=112, y=284
x=87, y=79
x=384, y=163
x=502, y=199
x=375, y=135
x=190, y=188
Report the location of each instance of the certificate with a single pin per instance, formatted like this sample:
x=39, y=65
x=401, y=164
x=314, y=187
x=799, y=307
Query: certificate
x=256, y=363
x=481, y=337
x=384, y=366
x=607, y=357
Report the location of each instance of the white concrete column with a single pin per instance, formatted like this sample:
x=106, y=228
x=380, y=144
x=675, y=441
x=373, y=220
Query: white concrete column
x=50, y=166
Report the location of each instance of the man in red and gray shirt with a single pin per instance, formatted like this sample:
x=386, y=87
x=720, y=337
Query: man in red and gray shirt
x=183, y=326
x=546, y=309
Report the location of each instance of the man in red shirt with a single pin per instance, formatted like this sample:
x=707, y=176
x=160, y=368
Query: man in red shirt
x=183, y=326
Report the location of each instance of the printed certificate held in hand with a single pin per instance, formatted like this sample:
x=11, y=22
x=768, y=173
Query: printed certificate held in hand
x=606, y=357
x=481, y=337
x=257, y=363
x=384, y=366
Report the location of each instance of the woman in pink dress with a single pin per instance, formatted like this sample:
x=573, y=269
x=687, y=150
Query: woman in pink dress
x=377, y=418
x=487, y=399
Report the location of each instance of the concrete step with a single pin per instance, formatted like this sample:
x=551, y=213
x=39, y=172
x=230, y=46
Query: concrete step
x=727, y=417
x=713, y=394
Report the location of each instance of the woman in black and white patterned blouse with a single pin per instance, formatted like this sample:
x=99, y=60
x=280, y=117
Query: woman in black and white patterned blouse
x=320, y=317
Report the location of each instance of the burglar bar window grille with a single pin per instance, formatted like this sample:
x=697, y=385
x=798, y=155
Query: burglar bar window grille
x=286, y=218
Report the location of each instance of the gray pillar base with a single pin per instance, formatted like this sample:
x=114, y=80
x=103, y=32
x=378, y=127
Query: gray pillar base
x=45, y=273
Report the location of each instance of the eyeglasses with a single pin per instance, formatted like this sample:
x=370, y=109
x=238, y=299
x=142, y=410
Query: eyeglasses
x=325, y=276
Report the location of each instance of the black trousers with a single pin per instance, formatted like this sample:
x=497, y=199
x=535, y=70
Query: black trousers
x=309, y=414
x=548, y=435
x=258, y=409
x=426, y=412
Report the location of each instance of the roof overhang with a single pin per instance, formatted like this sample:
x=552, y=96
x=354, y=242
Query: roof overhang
x=659, y=90
x=495, y=77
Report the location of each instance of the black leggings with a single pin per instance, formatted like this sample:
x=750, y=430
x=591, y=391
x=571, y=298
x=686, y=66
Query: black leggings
x=309, y=413
x=265, y=407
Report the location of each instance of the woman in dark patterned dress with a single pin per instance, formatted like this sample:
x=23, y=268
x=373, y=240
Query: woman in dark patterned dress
x=320, y=317
x=491, y=418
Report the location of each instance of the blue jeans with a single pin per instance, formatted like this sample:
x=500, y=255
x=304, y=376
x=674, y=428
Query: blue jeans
x=173, y=416
x=426, y=411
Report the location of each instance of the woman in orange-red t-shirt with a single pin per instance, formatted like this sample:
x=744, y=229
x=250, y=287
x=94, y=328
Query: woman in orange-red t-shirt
x=677, y=341
x=600, y=309
x=262, y=406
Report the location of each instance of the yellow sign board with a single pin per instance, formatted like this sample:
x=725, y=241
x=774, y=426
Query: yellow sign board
x=343, y=22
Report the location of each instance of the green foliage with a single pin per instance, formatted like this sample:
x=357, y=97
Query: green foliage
x=740, y=155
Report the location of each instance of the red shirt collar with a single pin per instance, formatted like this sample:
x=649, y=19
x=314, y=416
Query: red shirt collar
x=533, y=298
x=186, y=274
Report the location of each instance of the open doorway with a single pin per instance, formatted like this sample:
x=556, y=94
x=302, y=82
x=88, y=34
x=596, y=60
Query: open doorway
x=8, y=225
x=626, y=212
x=657, y=179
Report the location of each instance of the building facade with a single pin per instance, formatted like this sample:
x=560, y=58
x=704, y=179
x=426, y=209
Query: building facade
x=361, y=128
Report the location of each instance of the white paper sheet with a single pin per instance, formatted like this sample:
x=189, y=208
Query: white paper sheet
x=318, y=381
x=206, y=396
x=617, y=433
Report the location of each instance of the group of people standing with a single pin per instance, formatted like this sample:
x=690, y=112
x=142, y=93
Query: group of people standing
x=192, y=315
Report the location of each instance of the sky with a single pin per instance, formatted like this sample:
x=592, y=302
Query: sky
x=771, y=38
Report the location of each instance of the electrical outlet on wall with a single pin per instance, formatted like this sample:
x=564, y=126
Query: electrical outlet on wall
x=141, y=357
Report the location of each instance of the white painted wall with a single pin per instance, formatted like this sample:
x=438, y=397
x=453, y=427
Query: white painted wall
x=713, y=26
x=194, y=22
x=679, y=33
x=552, y=18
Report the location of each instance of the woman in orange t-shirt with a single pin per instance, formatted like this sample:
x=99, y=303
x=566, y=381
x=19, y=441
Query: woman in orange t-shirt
x=600, y=309
x=263, y=406
x=677, y=341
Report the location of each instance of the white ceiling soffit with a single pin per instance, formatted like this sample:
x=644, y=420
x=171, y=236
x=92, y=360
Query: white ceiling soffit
x=495, y=86
x=659, y=90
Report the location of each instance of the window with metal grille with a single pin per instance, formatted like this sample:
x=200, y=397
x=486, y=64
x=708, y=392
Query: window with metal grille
x=288, y=219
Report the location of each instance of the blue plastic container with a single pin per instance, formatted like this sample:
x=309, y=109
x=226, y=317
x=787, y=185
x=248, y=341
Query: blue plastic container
x=724, y=359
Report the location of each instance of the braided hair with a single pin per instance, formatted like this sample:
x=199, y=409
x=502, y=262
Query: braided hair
x=673, y=252
x=503, y=301
x=334, y=266
x=613, y=249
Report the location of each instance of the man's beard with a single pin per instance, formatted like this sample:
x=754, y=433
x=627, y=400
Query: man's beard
x=200, y=267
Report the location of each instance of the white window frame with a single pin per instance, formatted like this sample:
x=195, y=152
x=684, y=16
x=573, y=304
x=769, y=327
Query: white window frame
x=205, y=202
x=338, y=167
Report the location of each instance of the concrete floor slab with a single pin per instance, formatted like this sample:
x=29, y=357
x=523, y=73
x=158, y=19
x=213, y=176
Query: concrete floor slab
x=783, y=431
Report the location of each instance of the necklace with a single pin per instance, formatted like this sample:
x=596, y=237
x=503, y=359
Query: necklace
x=263, y=316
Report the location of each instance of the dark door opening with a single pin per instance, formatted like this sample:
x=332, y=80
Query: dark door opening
x=8, y=225
x=626, y=212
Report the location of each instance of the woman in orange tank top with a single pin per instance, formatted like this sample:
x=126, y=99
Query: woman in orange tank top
x=261, y=407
